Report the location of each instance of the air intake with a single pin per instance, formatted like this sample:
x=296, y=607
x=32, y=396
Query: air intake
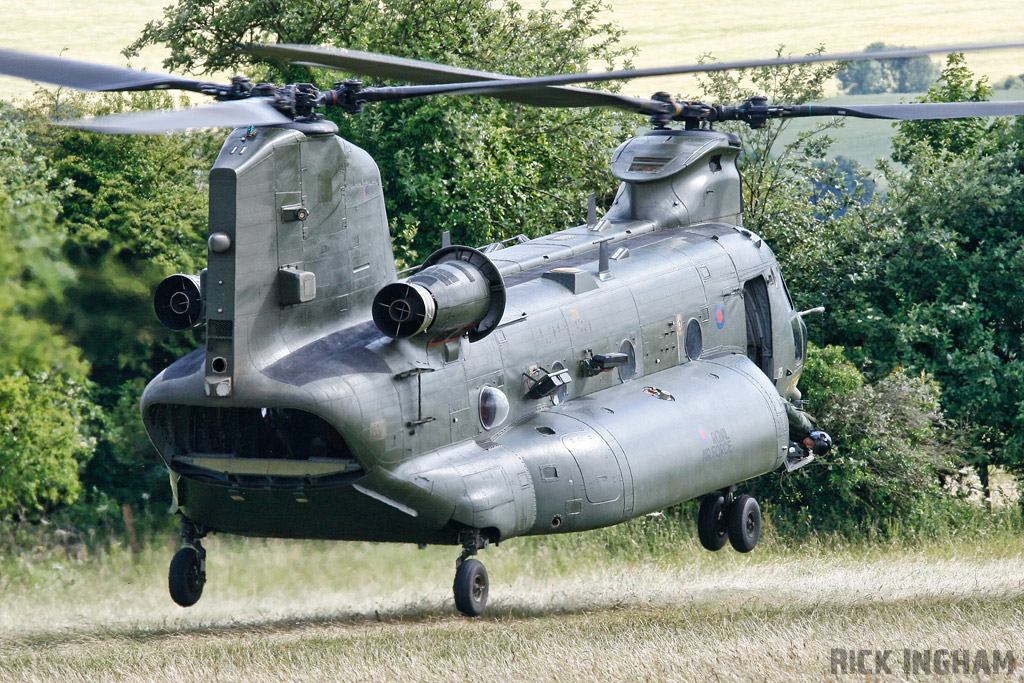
x=458, y=290
x=179, y=302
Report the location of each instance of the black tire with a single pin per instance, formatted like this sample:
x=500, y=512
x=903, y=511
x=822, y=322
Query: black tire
x=186, y=577
x=711, y=526
x=470, y=588
x=744, y=517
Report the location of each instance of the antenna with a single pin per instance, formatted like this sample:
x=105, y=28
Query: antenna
x=602, y=259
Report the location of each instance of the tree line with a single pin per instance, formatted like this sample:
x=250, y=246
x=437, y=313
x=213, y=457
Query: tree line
x=916, y=367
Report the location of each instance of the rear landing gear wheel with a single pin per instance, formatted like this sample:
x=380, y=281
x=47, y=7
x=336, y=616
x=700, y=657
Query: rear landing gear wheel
x=744, y=520
x=711, y=523
x=187, y=576
x=470, y=588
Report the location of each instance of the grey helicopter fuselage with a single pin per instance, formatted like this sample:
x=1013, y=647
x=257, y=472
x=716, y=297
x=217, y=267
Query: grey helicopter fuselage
x=301, y=418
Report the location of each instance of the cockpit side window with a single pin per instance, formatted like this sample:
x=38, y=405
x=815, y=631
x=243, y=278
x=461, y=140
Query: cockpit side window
x=785, y=288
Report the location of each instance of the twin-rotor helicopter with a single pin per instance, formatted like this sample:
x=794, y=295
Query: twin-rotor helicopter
x=564, y=383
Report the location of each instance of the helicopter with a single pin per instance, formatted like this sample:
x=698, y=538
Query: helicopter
x=646, y=357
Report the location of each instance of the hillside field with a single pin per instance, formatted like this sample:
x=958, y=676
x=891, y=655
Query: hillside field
x=675, y=33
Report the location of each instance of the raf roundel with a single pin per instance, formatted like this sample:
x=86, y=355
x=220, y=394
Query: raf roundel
x=703, y=433
x=719, y=316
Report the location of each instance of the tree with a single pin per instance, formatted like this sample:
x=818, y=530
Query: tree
x=875, y=76
x=483, y=169
x=884, y=475
x=44, y=404
x=133, y=209
x=955, y=136
x=777, y=180
x=941, y=293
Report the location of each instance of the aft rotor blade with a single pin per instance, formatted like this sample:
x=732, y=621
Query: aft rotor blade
x=88, y=76
x=919, y=111
x=430, y=73
x=252, y=112
x=483, y=87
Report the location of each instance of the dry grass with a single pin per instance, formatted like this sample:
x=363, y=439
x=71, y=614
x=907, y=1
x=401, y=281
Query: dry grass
x=559, y=610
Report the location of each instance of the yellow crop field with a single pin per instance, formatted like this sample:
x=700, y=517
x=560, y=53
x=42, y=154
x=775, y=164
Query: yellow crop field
x=674, y=33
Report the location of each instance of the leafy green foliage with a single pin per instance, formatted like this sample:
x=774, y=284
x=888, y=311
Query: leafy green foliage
x=891, y=445
x=482, y=169
x=949, y=305
x=774, y=177
x=43, y=387
x=956, y=136
x=914, y=279
x=874, y=76
x=133, y=210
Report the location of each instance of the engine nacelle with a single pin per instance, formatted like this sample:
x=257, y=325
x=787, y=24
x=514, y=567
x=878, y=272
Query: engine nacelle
x=457, y=289
x=179, y=302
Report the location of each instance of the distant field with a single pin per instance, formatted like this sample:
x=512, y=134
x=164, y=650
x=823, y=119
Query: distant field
x=93, y=30
x=678, y=33
x=865, y=140
x=559, y=610
x=672, y=33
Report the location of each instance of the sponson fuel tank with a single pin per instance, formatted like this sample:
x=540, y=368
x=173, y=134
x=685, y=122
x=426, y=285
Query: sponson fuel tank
x=703, y=426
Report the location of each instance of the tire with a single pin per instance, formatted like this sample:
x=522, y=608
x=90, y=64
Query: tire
x=186, y=577
x=711, y=527
x=744, y=518
x=470, y=588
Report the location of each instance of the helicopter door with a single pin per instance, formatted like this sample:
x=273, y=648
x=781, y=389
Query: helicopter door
x=759, y=324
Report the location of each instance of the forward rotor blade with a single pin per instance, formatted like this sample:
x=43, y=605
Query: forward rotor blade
x=252, y=112
x=87, y=76
x=520, y=84
x=416, y=71
x=919, y=111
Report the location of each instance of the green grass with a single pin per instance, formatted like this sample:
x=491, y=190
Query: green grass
x=579, y=607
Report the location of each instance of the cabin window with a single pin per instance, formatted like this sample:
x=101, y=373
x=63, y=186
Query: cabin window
x=627, y=371
x=799, y=337
x=694, y=341
x=785, y=288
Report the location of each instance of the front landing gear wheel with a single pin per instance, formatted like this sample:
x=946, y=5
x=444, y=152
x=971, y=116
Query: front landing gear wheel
x=187, y=576
x=744, y=516
x=711, y=523
x=470, y=588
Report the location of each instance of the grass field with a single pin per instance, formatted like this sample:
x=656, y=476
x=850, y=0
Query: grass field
x=560, y=609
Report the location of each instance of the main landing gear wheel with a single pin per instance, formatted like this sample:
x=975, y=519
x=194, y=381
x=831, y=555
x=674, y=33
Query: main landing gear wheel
x=744, y=520
x=187, y=576
x=188, y=567
x=711, y=523
x=470, y=588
